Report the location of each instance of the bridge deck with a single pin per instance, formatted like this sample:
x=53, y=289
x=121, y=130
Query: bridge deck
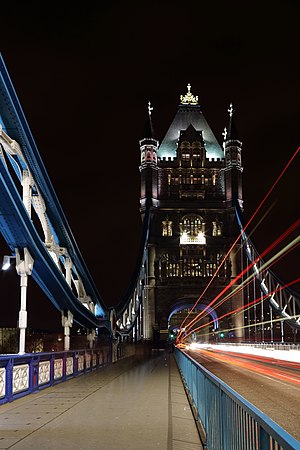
x=132, y=404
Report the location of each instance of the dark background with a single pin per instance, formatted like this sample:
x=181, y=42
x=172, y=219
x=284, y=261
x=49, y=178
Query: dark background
x=84, y=75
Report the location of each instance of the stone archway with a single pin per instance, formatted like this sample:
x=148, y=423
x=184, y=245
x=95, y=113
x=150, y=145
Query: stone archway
x=183, y=308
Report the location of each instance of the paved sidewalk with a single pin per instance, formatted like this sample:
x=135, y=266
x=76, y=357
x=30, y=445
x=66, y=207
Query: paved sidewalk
x=134, y=404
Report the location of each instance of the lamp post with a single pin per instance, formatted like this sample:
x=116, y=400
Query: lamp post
x=24, y=268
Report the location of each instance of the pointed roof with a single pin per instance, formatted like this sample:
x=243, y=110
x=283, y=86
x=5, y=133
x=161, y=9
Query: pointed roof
x=189, y=113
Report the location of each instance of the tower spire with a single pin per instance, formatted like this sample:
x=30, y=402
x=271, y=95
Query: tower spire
x=148, y=128
x=232, y=131
x=148, y=167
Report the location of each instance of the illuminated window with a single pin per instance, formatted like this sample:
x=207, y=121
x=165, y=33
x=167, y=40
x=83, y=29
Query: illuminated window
x=167, y=228
x=148, y=154
x=217, y=228
x=210, y=269
x=185, y=156
x=172, y=269
x=192, y=231
x=186, y=179
x=214, y=179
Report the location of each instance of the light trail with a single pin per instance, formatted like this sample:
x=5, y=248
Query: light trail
x=289, y=358
x=248, y=280
x=256, y=226
x=285, y=234
x=240, y=234
x=266, y=322
x=242, y=309
x=229, y=358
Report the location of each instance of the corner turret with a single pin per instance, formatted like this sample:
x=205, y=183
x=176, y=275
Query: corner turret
x=233, y=163
x=148, y=167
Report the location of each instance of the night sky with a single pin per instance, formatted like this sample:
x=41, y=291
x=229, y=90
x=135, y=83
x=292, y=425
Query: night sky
x=84, y=75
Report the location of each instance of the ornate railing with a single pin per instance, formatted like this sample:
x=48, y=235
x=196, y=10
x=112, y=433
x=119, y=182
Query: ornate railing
x=21, y=375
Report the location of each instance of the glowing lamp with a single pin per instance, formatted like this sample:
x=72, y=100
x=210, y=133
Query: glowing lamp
x=6, y=262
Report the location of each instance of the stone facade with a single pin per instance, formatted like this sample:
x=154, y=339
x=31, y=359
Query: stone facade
x=192, y=184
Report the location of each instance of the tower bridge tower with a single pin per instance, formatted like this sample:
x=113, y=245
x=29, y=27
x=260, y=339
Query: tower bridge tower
x=192, y=184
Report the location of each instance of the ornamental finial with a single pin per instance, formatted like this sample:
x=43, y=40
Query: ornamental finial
x=189, y=98
x=224, y=134
x=230, y=110
x=150, y=108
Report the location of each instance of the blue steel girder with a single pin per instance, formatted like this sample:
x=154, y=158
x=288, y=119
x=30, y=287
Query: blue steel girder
x=18, y=229
x=19, y=130
x=19, y=232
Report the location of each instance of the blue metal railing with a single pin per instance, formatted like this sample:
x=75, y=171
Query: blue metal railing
x=230, y=422
x=21, y=375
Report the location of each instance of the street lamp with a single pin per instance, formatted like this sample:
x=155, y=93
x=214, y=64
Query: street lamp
x=6, y=262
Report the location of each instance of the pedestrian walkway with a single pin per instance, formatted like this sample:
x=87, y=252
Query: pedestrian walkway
x=134, y=404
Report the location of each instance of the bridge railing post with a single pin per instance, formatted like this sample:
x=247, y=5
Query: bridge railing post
x=24, y=269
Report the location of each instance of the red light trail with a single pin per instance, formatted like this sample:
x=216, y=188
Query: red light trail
x=255, y=364
x=244, y=308
x=294, y=243
x=295, y=225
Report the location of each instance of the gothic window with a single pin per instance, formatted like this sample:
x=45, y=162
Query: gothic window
x=192, y=267
x=197, y=156
x=148, y=155
x=192, y=231
x=217, y=228
x=185, y=156
x=186, y=179
x=210, y=269
x=154, y=155
x=172, y=269
x=167, y=229
x=214, y=178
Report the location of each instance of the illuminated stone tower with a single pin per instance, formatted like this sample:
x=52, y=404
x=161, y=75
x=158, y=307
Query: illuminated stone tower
x=192, y=184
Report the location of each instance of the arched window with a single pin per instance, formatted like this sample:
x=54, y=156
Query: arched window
x=167, y=229
x=192, y=230
x=217, y=228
